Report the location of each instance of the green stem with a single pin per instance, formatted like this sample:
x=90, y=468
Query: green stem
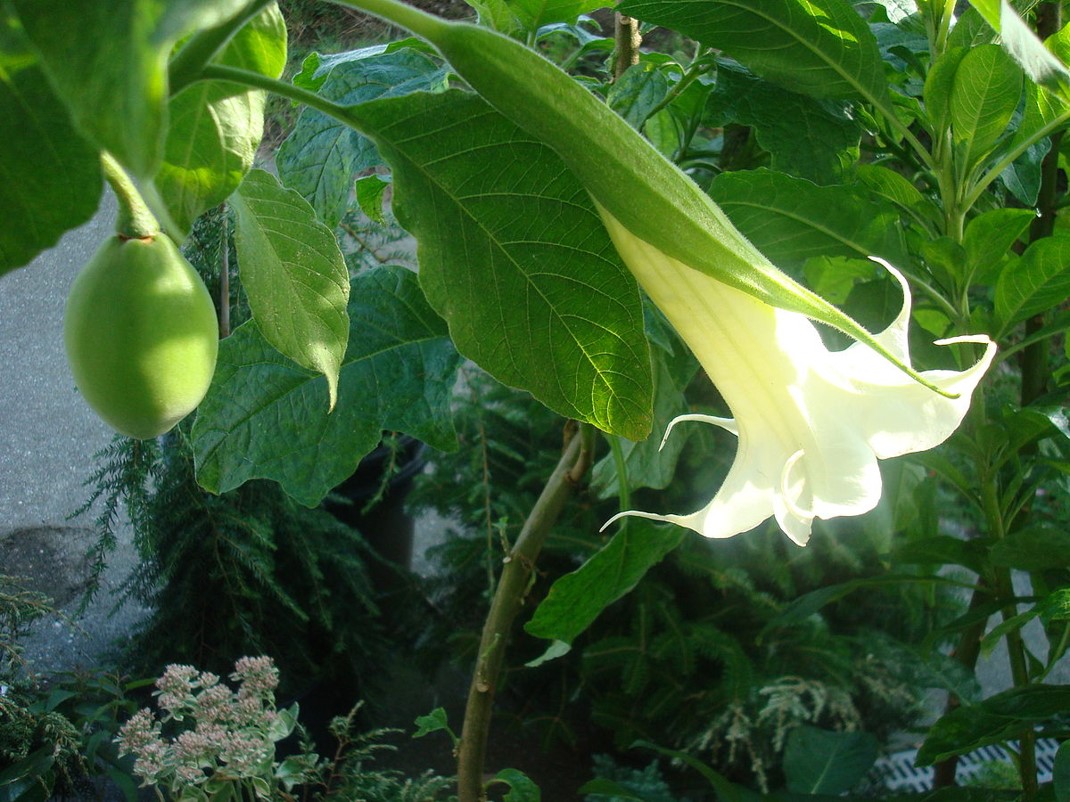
x=135, y=220
x=624, y=491
x=419, y=22
x=256, y=80
x=518, y=570
x=195, y=54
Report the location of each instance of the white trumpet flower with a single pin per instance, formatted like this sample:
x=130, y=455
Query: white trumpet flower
x=811, y=422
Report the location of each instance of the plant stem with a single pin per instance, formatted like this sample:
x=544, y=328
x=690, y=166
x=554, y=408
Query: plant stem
x=519, y=567
x=626, y=40
x=135, y=221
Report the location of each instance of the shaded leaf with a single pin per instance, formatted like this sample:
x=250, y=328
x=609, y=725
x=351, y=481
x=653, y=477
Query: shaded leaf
x=521, y=787
x=397, y=375
x=650, y=462
x=50, y=177
x=294, y=274
x=637, y=92
x=1035, y=548
x=988, y=239
x=536, y=13
x=576, y=599
x=809, y=138
x=790, y=219
x=999, y=718
x=818, y=761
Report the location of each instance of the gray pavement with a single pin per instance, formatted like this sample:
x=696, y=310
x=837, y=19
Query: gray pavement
x=48, y=437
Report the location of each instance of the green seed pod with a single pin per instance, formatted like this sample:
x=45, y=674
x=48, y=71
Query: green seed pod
x=141, y=335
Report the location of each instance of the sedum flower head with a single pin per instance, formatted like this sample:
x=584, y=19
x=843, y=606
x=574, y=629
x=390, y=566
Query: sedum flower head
x=811, y=422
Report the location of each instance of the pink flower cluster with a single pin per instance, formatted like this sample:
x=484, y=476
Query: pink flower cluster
x=227, y=735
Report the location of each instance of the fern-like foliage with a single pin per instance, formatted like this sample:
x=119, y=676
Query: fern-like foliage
x=120, y=486
x=246, y=572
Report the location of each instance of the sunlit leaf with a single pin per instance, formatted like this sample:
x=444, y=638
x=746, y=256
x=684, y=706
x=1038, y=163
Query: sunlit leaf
x=294, y=274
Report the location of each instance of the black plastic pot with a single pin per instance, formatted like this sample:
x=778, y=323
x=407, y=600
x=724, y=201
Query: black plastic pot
x=372, y=501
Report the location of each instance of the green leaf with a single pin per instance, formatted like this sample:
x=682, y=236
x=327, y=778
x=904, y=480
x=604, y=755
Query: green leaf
x=985, y=93
x=726, y=790
x=215, y=128
x=1018, y=39
x=1060, y=773
x=534, y=14
x=521, y=788
x=434, y=721
x=1038, y=282
x=821, y=48
x=988, y=240
x=516, y=259
x=605, y=787
x=942, y=550
x=49, y=175
x=650, y=462
x=637, y=92
x=805, y=137
x=939, y=84
x=998, y=718
x=835, y=277
x=818, y=761
x=108, y=62
x=791, y=220
x=1035, y=548
x=371, y=192
x=576, y=599
x=397, y=375
x=894, y=187
x=322, y=156
x=294, y=274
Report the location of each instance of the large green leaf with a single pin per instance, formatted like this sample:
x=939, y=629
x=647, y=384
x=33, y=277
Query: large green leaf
x=322, y=156
x=1037, y=282
x=984, y=96
x=294, y=274
x=215, y=128
x=108, y=62
x=820, y=761
x=49, y=175
x=264, y=416
x=791, y=219
x=515, y=258
x=821, y=48
x=576, y=599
